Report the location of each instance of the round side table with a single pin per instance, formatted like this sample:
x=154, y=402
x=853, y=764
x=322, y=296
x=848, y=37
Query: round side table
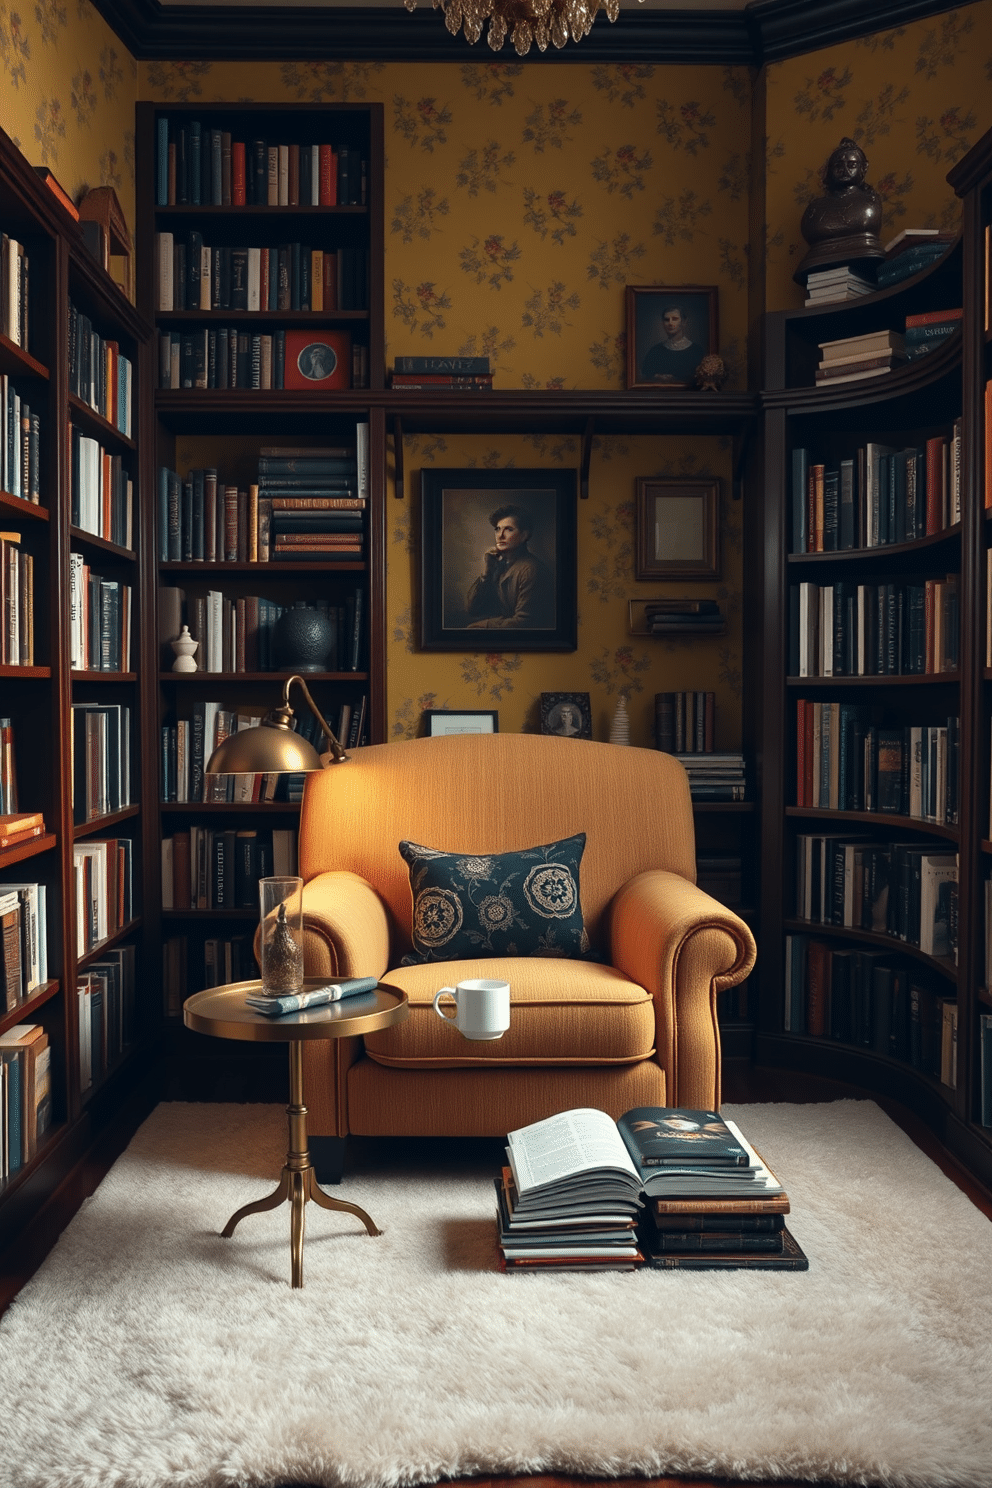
x=222, y=1012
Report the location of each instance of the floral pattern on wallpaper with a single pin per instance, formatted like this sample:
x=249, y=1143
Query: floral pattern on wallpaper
x=70, y=92
x=916, y=98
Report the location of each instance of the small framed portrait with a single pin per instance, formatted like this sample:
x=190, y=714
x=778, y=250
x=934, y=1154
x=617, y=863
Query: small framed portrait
x=440, y=721
x=678, y=530
x=498, y=560
x=669, y=331
x=317, y=359
x=567, y=714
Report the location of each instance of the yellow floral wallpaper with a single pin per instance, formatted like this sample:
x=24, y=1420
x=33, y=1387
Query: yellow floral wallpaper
x=68, y=92
x=915, y=98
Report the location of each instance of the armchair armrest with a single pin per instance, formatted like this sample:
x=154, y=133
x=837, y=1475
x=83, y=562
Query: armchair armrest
x=684, y=947
x=345, y=927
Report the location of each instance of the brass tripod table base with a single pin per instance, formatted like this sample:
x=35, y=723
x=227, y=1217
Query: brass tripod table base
x=222, y=1011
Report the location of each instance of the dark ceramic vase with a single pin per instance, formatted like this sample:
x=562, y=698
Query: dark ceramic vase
x=302, y=640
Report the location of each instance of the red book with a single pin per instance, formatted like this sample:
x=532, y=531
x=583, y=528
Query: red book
x=932, y=317
x=801, y=752
x=817, y=974
x=14, y=839
x=263, y=280
x=935, y=485
x=237, y=173
x=294, y=176
x=988, y=443
x=929, y=603
x=328, y=180
x=330, y=279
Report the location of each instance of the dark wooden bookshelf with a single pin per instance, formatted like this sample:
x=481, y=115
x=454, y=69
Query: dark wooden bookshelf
x=903, y=407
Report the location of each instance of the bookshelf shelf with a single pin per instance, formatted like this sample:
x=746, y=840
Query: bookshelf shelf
x=101, y=428
x=101, y=677
x=30, y=1005
x=900, y=680
x=256, y=317
x=876, y=819
x=216, y=678
x=18, y=362
x=229, y=808
x=893, y=554
x=29, y=849
x=198, y=569
x=23, y=673
x=81, y=538
x=251, y=210
x=95, y=952
x=943, y=965
x=104, y=823
x=723, y=808
x=22, y=510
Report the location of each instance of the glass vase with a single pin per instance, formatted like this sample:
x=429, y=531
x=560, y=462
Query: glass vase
x=281, y=949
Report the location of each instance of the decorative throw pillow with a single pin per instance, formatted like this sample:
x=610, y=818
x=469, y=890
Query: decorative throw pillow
x=496, y=904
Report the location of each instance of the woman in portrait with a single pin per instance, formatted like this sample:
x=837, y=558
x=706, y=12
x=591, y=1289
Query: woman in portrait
x=676, y=357
x=515, y=588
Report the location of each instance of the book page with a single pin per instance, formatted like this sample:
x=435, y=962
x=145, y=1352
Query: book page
x=560, y=1146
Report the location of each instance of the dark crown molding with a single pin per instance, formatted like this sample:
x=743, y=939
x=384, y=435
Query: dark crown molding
x=767, y=30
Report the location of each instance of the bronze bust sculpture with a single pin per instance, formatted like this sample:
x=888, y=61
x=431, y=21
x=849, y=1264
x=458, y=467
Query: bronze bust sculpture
x=842, y=226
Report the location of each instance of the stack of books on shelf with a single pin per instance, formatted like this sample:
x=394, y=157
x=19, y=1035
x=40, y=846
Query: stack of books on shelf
x=99, y=620
x=8, y=772
x=824, y=286
x=909, y=252
x=100, y=375
x=683, y=617
x=100, y=749
x=876, y=495
x=105, y=1002
x=16, y=602
x=684, y=722
x=17, y=827
x=207, y=869
x=24, y=932
x=198, y=165
x=20, y=443
x=13, y=291
x=928, y=332
x=103, y=875
x=854, y=358
x=312, y=500
x=712, y=1204
x=716, y=776
x=844, y=762
x=570, y=1196
x=437, y=373
x=25, y=1094
x=101, y=491
x=874, y=630
x=218, y=961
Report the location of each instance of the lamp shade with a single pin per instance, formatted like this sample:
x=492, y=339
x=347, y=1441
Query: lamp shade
x=270, y=747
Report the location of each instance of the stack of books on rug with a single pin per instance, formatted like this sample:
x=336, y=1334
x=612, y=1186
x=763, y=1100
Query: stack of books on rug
x=442, y=373
x=824, y=286
x=856, y=357
x=715, y=776
x=712, y=1204
x=910, y=252
x=310, y=507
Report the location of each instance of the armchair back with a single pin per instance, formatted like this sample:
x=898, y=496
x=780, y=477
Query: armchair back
x=483, y=793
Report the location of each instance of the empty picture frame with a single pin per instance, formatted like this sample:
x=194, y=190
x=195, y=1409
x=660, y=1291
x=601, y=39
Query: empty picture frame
x=678, y=531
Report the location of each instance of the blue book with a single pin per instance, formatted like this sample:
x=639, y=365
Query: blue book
x=800, y=477
x=162, y=161
x=195, y=162
x=163, y=512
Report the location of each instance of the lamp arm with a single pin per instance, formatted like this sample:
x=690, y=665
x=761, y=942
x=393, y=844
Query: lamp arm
x=336, y=750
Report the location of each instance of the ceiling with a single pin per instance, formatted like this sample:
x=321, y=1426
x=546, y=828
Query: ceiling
x=734, y=33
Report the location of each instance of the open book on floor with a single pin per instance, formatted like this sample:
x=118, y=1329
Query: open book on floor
x=585, y=1157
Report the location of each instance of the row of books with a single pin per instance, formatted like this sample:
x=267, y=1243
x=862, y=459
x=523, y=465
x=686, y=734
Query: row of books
x=873, y=353
x=100, y=745
x=904, y=889
x=99, y=620
x=24, y=930
x=215, y=962
x=684, y=722
x=874, y=630
x=865, y=998
x=101, y=491
x=99, y=372
x=103, y=880
x=200, y=166
x=715, y=776
x=430, y=382
x=105, y=1003
x=844, y=762
x=669, y=1187
x=20, y=460
x=14, y=322
x=245, y=361
x=204, y=868
x=193, y=275
x=16, y=602
x=8, y=772
x=877, y=496
x=25, y=1094
x=240, y=634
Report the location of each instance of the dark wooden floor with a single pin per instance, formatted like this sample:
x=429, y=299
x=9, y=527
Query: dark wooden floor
x=742, y=1084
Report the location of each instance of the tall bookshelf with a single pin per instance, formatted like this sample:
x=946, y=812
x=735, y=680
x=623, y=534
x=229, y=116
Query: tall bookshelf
x=224, y=428
x=42, y=690
x=871, y=1005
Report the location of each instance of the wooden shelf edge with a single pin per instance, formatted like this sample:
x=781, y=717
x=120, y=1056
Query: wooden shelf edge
x=95, y=952
x=30, y=848
x=24, y=508
x=943, y=965
x=873, y=818
x=101, y=823
x=80, y=535
x=35, y=999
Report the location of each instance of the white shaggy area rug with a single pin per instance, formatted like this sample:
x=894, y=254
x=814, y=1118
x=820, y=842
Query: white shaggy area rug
x=148, y=1352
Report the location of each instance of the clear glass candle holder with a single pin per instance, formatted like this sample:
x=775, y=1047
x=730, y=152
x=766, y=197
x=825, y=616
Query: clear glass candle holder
x=281, y=950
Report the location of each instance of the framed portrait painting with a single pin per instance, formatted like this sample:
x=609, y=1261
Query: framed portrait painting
x=498, y=560
x=678, y=529
x=567, y=714
x=669, y=331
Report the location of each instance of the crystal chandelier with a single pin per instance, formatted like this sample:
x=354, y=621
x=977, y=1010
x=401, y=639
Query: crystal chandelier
x=523, y=21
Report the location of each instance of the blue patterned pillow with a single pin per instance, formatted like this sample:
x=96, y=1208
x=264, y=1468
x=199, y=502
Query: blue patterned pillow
x=496, y=904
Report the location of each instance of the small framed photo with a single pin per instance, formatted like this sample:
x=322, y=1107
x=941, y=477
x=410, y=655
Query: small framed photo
x=498, y=560
x=678, y=530
x=669, y=331
x=567, y=714
x=317, y=359
x=469, y=721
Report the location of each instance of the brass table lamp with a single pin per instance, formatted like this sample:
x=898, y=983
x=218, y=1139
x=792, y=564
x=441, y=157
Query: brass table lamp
x=274, y=745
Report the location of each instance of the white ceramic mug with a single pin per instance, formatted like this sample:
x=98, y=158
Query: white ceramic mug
x=482, y=1008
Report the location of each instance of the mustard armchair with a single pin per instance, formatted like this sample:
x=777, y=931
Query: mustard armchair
x=636, y=1027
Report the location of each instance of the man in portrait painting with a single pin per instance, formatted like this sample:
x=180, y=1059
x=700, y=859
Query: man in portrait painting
x=515, y=588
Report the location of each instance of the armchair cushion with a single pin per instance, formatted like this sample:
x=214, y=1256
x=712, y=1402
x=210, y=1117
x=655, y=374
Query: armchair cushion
x=576, y=1013
x=523, y=903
